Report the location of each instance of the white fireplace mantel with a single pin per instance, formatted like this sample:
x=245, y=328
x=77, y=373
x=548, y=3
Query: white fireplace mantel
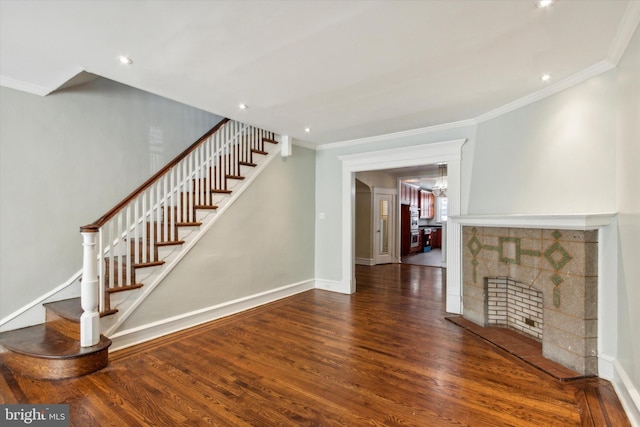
x=559, y=221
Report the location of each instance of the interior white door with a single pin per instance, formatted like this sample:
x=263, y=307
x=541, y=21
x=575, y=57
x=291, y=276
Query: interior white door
x=383, y=227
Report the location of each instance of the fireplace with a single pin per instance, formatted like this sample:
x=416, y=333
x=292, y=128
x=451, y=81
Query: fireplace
x=514, y=305
x=554, y=271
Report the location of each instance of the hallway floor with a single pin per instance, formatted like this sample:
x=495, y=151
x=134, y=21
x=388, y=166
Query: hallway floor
x=433, y=258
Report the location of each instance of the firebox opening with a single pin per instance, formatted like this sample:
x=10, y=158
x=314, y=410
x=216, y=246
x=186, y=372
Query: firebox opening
x=514, y=305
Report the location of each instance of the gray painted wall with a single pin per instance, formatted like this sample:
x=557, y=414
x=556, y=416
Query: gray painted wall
x=67, y=158
x=553, y=156
x=628, y=201
x=265, y=240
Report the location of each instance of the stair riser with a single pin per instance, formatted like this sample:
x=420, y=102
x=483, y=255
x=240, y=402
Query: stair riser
x=66, y=327
x=119, y=279
x=54, y=369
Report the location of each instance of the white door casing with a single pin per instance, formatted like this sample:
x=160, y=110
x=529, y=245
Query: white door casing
x=449, y=152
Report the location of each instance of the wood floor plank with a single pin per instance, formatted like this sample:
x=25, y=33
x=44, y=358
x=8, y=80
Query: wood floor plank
x=384, y=356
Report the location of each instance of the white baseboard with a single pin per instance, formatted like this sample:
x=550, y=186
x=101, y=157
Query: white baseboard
x=332, y=285
x=365, y=261
x=140, y=334
x=610, y=369
x=605, y=366
x=627, y=393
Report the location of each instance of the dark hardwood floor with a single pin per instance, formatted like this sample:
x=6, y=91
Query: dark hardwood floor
x=384, y=356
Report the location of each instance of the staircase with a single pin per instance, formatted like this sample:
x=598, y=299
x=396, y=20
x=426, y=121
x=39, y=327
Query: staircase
x=130, y=249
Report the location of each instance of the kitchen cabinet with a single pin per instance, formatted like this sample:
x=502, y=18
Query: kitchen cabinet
x=436, y=238
x=409, y=195
x=427, y=204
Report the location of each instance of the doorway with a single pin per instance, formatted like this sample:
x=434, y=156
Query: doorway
x=384, y=225
x=449, y=152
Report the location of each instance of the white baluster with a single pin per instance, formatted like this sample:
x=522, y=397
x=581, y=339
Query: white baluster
x=128, y=241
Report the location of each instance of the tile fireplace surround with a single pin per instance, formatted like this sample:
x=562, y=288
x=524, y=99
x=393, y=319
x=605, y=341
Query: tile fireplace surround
x=560, y=263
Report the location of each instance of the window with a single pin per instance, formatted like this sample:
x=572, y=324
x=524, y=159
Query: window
x=441, y=209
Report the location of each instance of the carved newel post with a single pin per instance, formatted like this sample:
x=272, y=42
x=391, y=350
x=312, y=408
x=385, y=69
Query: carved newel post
x=90, y=320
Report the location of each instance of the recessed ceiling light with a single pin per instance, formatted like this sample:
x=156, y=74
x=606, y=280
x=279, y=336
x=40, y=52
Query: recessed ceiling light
x=243, y=106
x=125, y=60
x=307, y=130
x=544, y=3
x=545, y=77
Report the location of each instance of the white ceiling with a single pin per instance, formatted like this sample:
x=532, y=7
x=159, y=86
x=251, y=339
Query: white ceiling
x=347, y=69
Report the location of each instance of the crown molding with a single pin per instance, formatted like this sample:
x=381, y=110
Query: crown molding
x=627, y=27
x=579, y=77
x=397, y=135
x=24, y=86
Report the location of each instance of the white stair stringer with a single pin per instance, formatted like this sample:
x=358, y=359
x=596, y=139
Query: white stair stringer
x=126, y=302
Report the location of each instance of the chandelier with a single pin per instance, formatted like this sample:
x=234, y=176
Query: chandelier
x=440, y=189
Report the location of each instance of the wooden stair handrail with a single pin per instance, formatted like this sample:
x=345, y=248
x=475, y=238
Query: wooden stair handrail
x=95, y=226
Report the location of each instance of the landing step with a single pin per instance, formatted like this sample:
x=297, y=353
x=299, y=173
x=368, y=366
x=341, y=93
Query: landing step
x=42, y=352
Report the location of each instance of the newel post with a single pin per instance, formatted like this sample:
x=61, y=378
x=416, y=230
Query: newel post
x=89, y=292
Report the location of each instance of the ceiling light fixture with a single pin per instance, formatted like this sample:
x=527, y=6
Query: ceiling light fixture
x=125, y=60
x=544, y=3
x=545, y=77
x=440, y=189
x=243, y=106
x=307, y=130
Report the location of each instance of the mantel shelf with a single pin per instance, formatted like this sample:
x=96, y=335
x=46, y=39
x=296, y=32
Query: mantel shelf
x=560, y=221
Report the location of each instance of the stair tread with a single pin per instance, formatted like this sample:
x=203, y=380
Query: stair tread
x=170, y=243
x=272, y=141
x=45, y=342
x=70, y=309
x=134, y=264
x=124, y=288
